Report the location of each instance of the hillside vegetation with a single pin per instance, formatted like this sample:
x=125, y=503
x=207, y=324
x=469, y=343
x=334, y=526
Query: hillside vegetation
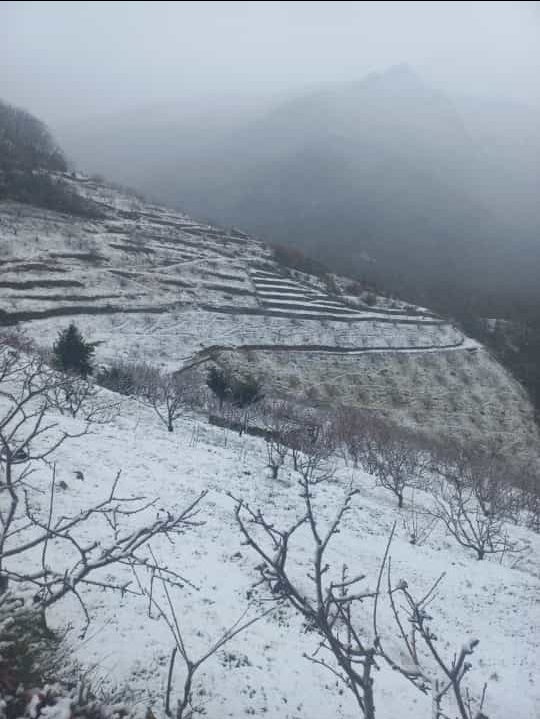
x=28, y=153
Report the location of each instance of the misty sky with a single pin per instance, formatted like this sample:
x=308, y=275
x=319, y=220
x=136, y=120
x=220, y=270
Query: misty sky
x=67, y=60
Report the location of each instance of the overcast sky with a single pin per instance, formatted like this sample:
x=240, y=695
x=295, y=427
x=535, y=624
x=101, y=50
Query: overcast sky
x=65, y=60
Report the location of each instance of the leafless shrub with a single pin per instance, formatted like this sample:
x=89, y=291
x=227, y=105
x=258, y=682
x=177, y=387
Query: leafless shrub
x=317, y=465
x=308, y=436
x=128, y=378
x=524, y=496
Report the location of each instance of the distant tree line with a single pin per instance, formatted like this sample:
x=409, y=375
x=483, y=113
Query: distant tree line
x=28, y=154
x=26, y=143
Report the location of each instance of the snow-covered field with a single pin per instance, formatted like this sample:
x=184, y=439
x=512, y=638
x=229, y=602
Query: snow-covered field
x=263, y=672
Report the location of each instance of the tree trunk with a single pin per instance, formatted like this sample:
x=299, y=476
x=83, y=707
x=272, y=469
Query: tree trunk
x=168, y=711
x=369, y=700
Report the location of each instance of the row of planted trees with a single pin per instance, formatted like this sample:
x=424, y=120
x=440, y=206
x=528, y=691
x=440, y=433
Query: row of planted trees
x=476, y=490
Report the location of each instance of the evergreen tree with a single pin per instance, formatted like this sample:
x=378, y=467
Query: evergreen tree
x=219, y=383
x=241, y=392
x=246, y=391
x=72, y=353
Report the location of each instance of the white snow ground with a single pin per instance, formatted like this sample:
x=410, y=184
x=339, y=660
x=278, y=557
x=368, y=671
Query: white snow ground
x=262, y=672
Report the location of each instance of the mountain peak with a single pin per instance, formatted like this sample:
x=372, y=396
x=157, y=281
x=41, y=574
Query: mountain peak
x=401, y=77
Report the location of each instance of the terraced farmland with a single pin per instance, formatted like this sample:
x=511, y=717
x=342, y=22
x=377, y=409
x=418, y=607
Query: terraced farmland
x=292, y=298
x=150, y=284
x=277, y=293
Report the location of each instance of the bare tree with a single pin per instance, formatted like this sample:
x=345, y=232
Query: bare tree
x=327, y=607
x=352, y=428
x=83, y=559
x=418, y=525
x=474, y=499
x=168, y=395
x=314, y=449
x=398, y=463
x=276, y=453
x=469, y=521
x=361, y=435
x=304, y=434
x=28, y=390
x=419, y=644
x=29, y=526
x=331, y=607
x=279, y=422
x=167, y=612
x=79, y=397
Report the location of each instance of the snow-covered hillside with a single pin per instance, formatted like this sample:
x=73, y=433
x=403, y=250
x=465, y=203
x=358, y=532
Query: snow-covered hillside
x=150, y=284
x=263, y=672
x=147, y=284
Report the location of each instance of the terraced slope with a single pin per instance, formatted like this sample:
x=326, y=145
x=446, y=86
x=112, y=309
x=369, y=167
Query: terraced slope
x=286, y=297
x=151, y=284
